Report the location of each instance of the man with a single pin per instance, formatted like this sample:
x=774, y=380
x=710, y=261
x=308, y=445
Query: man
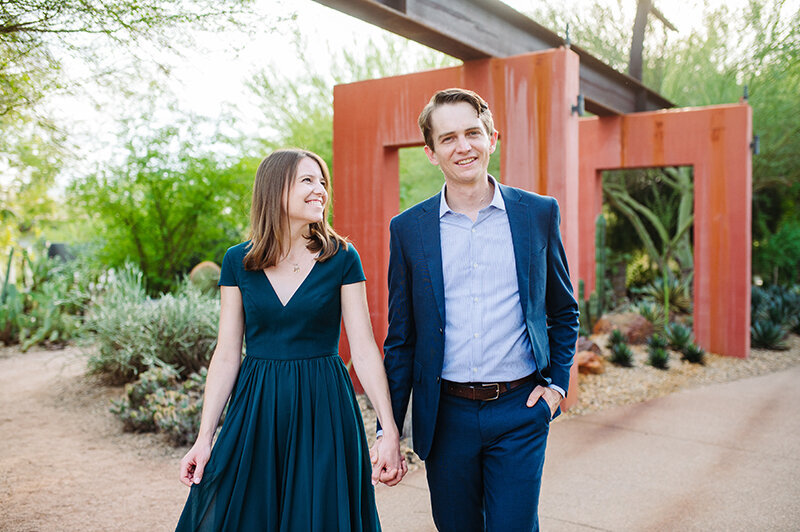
x=482, y=326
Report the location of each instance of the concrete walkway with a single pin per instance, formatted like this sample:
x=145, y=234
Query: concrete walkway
x=720, y=457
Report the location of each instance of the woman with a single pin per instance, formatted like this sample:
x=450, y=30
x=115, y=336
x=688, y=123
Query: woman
x=291, y=454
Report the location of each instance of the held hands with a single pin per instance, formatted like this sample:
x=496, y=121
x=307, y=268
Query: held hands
x=388, y=465
x=551, y=397
x=194, y=463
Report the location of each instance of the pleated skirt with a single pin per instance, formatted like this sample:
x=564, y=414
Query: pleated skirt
x=291, y=455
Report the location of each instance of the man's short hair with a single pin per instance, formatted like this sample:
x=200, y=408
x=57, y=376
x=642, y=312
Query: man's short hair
x=454, y=95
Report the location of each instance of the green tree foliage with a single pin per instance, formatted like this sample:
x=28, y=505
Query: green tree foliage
x=35, y=35
x=168, y=205
x=31, y=155
x=298, y=110
x=757, y=46
x=658, y=204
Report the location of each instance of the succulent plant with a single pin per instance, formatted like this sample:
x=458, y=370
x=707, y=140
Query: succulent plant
x=678, y=336
x=694, y=354
x=621, y=355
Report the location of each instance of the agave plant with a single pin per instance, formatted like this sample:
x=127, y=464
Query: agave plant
x=768, y=335
x=615, y=338
x=694, y=354
x=657, y=342
x=678, y=336
x=652, y=312
x=779, y=311
x=658, y=357
x=758, y=296
x=621, y=355
x=680, y=296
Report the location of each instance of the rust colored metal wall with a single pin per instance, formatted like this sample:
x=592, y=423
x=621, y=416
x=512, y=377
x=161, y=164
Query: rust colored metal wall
x=714, y=140
x=530, y=96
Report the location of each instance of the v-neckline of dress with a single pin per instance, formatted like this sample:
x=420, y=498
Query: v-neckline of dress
x=291, y=297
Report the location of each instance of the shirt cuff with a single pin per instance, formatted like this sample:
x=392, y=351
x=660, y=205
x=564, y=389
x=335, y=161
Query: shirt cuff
x=559, y=389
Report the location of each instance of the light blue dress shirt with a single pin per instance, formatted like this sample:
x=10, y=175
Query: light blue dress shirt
x=485, y=335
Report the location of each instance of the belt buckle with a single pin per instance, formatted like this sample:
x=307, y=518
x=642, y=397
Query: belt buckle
x=496, y=390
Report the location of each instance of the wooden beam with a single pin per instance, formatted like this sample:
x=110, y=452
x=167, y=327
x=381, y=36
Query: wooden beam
x=479, y=29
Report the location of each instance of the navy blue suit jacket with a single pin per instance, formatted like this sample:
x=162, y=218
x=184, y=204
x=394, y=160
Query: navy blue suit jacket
x=414, y=347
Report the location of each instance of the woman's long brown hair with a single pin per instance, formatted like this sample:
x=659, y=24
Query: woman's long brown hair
x=269, y=221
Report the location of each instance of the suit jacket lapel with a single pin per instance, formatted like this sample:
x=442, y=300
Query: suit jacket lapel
x=431, y=240
x=519, y=219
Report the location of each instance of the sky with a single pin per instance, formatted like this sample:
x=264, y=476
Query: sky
x=211, y=80
x=326, y=29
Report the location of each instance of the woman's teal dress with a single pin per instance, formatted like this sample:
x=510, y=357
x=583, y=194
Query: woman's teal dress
x=292, y=454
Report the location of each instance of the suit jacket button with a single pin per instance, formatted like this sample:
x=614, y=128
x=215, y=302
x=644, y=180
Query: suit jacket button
x=438, y=379
x=441, y=331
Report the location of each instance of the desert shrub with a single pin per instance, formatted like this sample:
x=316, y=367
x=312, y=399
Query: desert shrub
x=48, y=305
x=134, y=333
x=159, y=402
x=694, y=354
x=177, y=413
x=768, y=335
x=621, y=355
x=678, y=336
x=135, y=408
x=657, y=354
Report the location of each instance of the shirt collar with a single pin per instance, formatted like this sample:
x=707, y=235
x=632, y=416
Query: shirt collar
x=497, y=199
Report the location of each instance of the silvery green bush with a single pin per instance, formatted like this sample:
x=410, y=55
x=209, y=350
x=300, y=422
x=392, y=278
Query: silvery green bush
x=134, y=332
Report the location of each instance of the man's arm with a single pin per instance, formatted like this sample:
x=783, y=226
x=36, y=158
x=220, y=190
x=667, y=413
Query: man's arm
x=562, y=318
x=398, y=348
x=561, y=307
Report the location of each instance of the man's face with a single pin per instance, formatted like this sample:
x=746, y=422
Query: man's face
x=461, y=146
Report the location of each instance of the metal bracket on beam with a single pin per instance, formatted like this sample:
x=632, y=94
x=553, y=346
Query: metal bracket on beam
x=579, y=107
x=755, y=145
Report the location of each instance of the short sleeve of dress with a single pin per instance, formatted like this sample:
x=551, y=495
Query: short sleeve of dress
x=228, y=277
x=353, y=272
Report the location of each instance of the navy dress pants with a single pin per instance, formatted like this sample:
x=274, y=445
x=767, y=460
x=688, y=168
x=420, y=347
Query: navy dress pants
x=485, y=467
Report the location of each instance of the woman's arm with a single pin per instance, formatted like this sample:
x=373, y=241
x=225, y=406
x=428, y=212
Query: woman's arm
x=368, y=364
x=222, y=373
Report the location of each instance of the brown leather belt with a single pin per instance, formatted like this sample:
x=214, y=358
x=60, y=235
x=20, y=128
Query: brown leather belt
x=482, y=391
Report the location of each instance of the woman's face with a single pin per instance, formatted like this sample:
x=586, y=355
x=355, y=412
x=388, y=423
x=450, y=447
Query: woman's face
x=305, y=201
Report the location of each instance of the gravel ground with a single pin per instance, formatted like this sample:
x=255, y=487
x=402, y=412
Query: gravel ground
x=622, y=386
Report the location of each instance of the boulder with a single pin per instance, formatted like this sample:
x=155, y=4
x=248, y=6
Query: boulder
x=585, y=344
x=589, y=362
x=635, y=328
x=205, y=275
